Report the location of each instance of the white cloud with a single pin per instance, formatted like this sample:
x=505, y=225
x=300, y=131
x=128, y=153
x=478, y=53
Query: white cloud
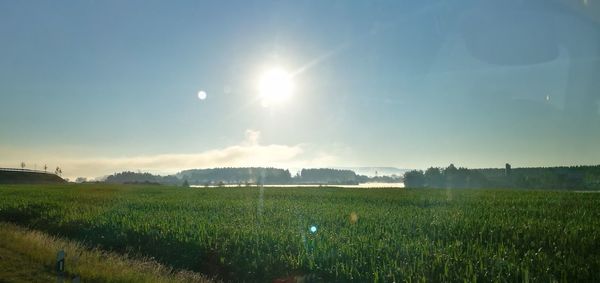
x=252, y=137
x=248, y=152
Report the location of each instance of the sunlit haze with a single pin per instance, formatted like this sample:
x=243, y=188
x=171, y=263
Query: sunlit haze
x=275, y=86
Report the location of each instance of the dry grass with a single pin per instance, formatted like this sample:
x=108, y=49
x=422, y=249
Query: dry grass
x=30, y=256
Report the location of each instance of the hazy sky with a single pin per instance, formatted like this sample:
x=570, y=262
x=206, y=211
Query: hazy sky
x=104, y=86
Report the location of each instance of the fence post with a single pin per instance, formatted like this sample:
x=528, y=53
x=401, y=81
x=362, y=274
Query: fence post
x=60, y=265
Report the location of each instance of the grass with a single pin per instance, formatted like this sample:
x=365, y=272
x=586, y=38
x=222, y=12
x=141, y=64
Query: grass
x=383, y=235
x=30, y=256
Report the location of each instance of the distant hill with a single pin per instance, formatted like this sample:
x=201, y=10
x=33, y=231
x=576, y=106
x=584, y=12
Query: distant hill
x=18, y=176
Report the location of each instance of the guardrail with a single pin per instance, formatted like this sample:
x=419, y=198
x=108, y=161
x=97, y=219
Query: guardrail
x=25, y=170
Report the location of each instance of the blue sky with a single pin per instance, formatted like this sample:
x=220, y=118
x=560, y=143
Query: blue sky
x=103, y=86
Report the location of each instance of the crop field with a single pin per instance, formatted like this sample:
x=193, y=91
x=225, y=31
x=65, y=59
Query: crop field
x=327, y=234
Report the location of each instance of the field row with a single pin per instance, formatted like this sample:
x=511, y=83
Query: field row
x=328, y=234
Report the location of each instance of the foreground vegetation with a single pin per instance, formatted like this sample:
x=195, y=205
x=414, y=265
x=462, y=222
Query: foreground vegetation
x=30, y=256
x=328, y=234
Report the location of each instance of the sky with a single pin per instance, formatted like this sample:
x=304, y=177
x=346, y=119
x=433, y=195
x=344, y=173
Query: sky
x=97, y=87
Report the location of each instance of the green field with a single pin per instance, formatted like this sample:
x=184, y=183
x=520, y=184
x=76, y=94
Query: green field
x=327, y=234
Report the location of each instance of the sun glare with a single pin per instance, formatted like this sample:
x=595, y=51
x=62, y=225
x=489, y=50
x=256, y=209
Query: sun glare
x=275, y=86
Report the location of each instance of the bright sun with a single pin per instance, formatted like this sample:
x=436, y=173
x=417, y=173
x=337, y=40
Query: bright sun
x=275, y=86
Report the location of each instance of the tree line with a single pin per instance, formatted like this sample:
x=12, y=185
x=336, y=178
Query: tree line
x=565, y=177
x=128, y=177
x=249, y=176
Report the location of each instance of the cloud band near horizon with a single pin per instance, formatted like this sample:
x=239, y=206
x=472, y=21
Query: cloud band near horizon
x=248, y=153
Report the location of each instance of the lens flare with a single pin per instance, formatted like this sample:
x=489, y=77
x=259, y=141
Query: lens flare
x=202, y=95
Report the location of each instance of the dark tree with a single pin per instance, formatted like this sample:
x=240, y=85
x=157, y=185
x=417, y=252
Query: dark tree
x=451, y=176
x=434, y=178
x=414, y=179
